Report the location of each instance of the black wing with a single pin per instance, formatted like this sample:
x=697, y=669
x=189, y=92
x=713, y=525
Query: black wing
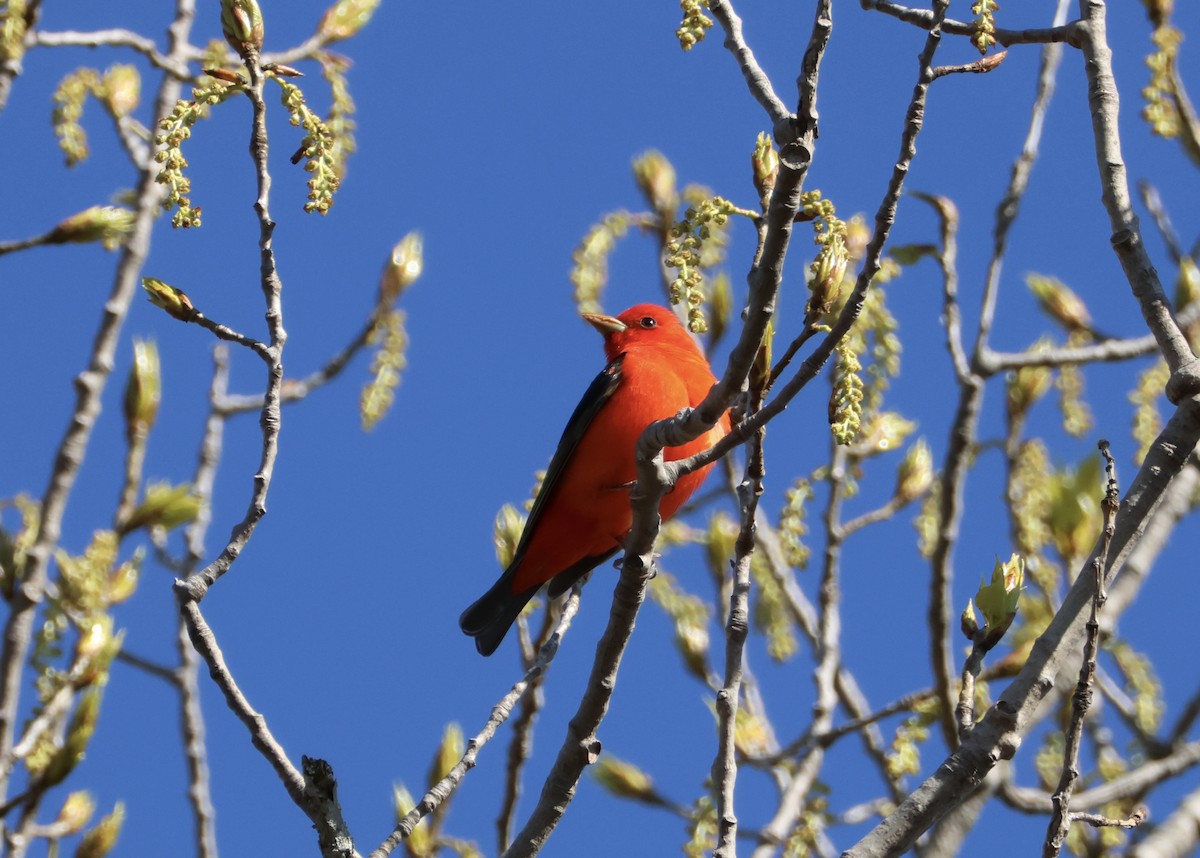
x=489, y=617
x=599, y=392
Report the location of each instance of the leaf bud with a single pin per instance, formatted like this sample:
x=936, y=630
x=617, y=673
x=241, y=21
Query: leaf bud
x=969, y=622
x=828, y=271
x=1025, y=386
x=765, y=162
x=760, y=371
x=164, y=506
x=448, y=754
x=143, y=390
x=79, y=734
x=1057, y=299
x=242, y=23
x=655, y=176
x=173, y=300
x=403, y=268
x=101, y=840
x=915, y=474
x=122, y=583
x=624, y=779
x=122, y=87
x=97, y=647
x=344, y=19
x=507, y=533
x=76, y=812
x=106, y=224
x=997, y=600
x=225, y=75
x=885, y=432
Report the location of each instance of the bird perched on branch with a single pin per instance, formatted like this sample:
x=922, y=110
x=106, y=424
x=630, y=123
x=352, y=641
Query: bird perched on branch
x=582, y=514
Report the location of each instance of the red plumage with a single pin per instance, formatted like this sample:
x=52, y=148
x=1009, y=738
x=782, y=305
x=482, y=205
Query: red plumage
x=582, y=514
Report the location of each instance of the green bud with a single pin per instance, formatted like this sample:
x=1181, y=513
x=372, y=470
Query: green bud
x=997, y=600
x=122, y=583
x=885, y=432
x=915, y=474
x=448, y=754
x=79, y=734
x=344, y=19
x=106, y=224
x=760, y=371
x=1026, y=386
x=402, y=801
x=76, y=812
x=122, y=88
x=420, y=843
x=100, y=841
x=143, y=390
x=242, y=23
x=828, y=271
x=173, y=300
x=719, y=544
x=1057, y=299
x=403, y=268
x=164, y=506
x=1073, y=513
x=968, y=621
x=655, y=176
x=720, y=305
x=507, y=533
x=1187, y=284
x=692, y=641
x=624, y=779
x=858, y=235
x=97, y=647
x=765, y=162
x=751, y=734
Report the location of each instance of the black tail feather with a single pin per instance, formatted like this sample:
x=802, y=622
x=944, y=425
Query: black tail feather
x=490, y=617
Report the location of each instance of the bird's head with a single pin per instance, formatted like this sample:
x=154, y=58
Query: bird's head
x=641, y=325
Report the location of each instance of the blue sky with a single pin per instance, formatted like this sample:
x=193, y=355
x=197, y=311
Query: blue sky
x=502, y=137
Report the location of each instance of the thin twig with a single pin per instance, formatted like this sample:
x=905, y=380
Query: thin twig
x=196, y=586
x=1060, y=819
x=981, y=66
x=521, y=744
x=295, y=390
x=925, y=19
x=737, y=627
x=1154, y=204
x=168, y=675
x=964, y=427
x=756, y=78
x=1135, y=782
x=174, y=62
x=829, y=654
x=89, y=385
x=191, y=716
x=998, y=734
x=1114, y=187
x=205, y=643
x=195, y=747
x=500, y=713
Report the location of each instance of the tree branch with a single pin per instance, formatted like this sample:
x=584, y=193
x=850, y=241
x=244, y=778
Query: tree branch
x=89, y=386
x=1000, y=732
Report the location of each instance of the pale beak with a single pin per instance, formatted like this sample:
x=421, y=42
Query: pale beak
x=604, y=324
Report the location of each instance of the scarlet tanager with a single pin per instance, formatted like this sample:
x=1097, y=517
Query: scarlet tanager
x=581, y=514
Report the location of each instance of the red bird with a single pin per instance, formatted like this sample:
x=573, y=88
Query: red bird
x=581, y=514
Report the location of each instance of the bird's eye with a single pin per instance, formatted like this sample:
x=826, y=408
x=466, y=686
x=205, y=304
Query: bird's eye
x=648, y=322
